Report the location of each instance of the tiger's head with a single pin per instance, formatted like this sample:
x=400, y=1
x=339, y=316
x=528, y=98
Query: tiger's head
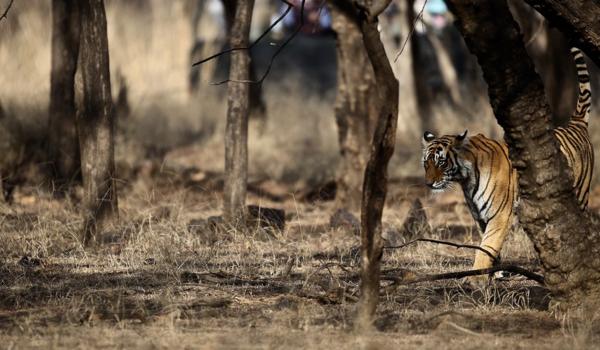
x=441, y=160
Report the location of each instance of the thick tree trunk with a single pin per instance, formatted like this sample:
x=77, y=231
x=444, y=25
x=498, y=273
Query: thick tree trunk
x=355, y=109
x=577, y=19
x=236, y=134
x=548, y=211
x=63, y=145
x=375, y=178
x=96, y=124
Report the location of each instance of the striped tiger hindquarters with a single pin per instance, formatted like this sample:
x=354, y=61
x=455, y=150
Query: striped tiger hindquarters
x=484, y=171
x=574, y=138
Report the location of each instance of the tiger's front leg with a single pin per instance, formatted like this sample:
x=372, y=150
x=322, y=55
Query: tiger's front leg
x=494, y=236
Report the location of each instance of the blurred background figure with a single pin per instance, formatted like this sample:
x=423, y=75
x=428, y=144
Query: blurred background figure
x=317, y=19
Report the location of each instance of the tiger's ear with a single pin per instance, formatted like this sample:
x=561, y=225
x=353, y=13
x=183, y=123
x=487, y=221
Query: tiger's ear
x=428, y=136
x=460, y=138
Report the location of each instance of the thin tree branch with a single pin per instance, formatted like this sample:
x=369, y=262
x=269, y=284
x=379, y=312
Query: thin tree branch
x=408, y=279
x=5, y=14
x=277, y=52
x=279, y=19
x=412, y=30
x=456, y=245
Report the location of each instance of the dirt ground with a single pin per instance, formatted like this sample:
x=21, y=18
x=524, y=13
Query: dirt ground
x=163, y=279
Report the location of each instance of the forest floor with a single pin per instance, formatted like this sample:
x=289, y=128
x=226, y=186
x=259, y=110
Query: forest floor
x=163, y=279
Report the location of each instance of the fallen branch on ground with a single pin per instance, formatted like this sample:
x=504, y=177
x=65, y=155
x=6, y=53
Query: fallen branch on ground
x=456, y=245
x=410, y=278
x=275, y=285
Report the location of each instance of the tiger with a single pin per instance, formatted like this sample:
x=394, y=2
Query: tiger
x=482, y=168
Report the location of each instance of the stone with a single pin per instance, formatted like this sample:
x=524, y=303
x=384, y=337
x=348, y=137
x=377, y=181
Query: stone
x=345, y=220
x=416, y=223
x=266, y=218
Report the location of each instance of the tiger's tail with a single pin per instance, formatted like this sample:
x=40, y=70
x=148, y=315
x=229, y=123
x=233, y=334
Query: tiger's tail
x=584, y=100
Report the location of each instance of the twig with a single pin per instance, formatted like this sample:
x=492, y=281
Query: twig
x=460, y=274
x=412, y=29
x=456, y=245
x=4, y=15
x=323, y=266
x=290, y=6
x=277, y=52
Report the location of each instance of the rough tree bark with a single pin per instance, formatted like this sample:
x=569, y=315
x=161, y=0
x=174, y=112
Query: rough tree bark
x=63, y=146
x=382, y=148
x=577, y=19
x=355, y=109
x=96, y=124
x=236, y=133
x=548, y=212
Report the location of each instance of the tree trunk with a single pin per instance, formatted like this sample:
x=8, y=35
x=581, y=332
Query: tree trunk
x=375, y=178
x=422, y=93
x=355, y=109
x=96, y=124
x=549, y=50
x=256, y=104
x=548, y=212
x=236, y=134
x=63, y=146
x=577, y=19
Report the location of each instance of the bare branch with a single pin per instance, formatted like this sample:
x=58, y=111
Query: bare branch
x=415, y=278
x=412, y=30
x=290, y=6
x=277, y=52
x=5, y=14
x=456, y=245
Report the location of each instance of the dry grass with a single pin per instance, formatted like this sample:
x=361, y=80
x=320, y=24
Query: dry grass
x=158, y=284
